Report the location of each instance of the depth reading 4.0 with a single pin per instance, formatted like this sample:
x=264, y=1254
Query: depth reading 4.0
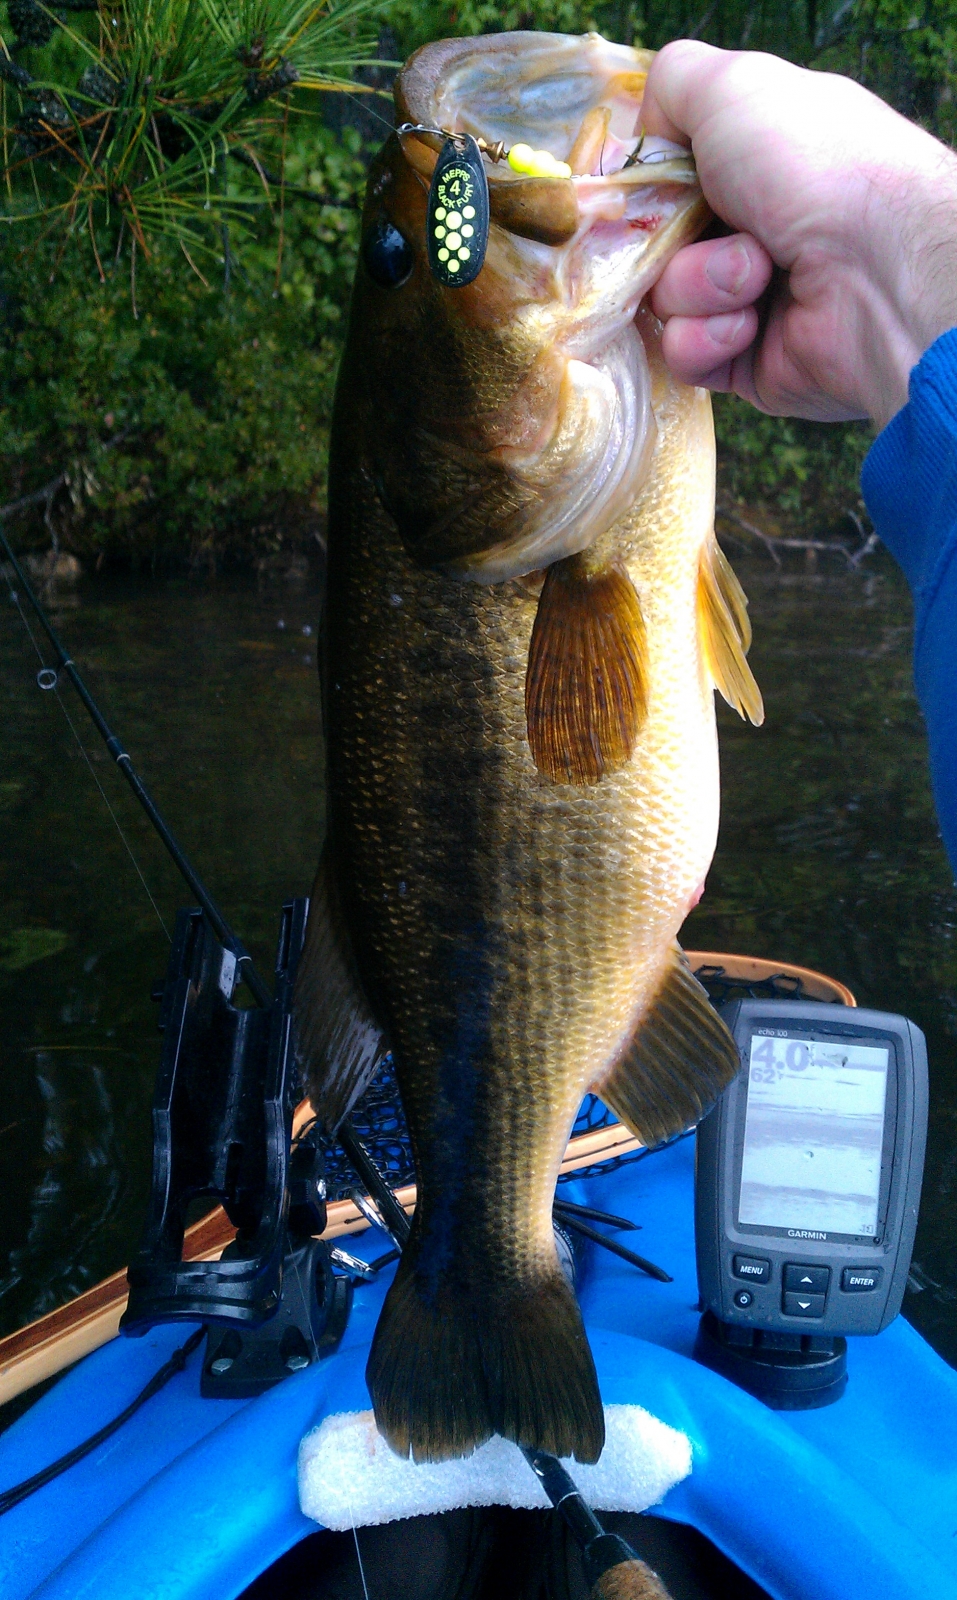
x=814, y=1133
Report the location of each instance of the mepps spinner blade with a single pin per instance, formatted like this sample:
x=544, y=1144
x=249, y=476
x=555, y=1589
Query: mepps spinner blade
x=458, y=213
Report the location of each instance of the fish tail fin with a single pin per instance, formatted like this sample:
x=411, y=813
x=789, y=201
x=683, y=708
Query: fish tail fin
x=725, y=631
x=450, y=1368
x=678, y=1062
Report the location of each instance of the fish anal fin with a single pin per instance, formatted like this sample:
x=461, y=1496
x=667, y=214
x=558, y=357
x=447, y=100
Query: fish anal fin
x=340, y=1042
x=586, y=685
x=680, y=1059
x=454, y=1362
x=725, y=633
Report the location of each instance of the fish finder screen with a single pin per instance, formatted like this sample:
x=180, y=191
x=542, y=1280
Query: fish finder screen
x=813, y=1135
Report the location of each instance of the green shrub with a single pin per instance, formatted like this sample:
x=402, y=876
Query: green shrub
x=214, y=402
x=797, y=472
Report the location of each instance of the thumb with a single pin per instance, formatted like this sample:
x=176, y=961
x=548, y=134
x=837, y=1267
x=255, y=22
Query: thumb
x=676, y=92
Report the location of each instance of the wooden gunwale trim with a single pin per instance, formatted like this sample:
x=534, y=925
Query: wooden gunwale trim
x=758, y=969
x=57, y=1340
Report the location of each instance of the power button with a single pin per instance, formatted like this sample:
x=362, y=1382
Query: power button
x=743, y=1299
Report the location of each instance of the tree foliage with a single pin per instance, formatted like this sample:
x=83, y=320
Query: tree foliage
x=180, y=233
x=127, y=115
x=202, y=421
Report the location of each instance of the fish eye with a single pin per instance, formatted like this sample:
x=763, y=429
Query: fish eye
x=388, y=257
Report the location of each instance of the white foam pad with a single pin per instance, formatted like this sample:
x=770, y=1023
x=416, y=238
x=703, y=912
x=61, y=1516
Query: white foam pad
x=349, y=1478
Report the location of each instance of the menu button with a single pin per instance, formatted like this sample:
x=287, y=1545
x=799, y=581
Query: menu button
x=752, y=1268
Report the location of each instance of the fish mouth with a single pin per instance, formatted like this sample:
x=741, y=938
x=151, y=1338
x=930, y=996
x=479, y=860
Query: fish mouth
x=578, y=98
x=567, y=266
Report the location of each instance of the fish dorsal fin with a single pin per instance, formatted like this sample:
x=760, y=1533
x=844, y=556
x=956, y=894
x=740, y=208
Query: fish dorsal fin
x=678, y=1062
x=726, y=633
x=585, y=689
x=340, y=1042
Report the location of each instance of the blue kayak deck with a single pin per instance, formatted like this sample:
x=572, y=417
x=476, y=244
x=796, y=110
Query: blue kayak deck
x=193, y=1498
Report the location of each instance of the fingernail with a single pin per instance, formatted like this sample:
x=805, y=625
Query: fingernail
x=726, y=328
x=728, y=268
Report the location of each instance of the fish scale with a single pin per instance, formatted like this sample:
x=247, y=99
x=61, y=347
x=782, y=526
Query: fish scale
x=509, y=933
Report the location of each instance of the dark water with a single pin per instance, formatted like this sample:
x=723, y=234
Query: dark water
x=828, y=856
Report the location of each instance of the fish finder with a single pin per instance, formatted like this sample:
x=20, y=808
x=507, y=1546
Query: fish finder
x=807, y=1186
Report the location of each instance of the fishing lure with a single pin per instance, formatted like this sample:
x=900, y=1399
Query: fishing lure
x=458, y=208
x=458, y=213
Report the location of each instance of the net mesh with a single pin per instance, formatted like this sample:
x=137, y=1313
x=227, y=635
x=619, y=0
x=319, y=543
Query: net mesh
x=380, y=1123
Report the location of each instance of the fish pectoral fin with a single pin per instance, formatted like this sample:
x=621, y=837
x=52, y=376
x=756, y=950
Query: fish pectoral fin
x=586, y=686
x=678, y=1062
x=340, y=1042
x=725, y=633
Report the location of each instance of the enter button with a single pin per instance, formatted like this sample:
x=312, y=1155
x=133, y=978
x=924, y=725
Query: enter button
x=858, y=1280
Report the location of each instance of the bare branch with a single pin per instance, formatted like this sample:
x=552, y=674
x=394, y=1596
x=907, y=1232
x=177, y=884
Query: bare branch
x=39, y=497
x=774, y=542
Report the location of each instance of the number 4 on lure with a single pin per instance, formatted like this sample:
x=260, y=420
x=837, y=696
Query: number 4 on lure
x=458, y=209
x=612, y=1569
x=458, y=213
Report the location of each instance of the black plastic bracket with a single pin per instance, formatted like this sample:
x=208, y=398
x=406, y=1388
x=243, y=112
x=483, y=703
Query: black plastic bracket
x=222, y=1117
x=309, y=1325
x=789, y=1372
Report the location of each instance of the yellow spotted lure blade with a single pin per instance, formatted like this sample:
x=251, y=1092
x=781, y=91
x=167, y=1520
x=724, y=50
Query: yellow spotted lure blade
x=458, y=213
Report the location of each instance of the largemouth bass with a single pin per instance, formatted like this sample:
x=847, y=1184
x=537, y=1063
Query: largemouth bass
x=527, y=615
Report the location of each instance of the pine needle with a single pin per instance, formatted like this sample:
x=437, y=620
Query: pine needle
x=158, y=92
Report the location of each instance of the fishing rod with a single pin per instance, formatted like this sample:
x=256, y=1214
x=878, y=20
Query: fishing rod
x=348, y=1138
x=114, y=745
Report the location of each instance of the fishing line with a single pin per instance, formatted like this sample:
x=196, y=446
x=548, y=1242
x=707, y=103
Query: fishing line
x=116, y=821
x=65, y=662
x=365, y=106
x=362, y=1574
x=355, y=1535
x=54, y=685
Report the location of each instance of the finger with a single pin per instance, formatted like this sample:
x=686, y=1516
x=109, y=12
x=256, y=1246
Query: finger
x=703, y=350
x=672, y=98
x=715, y=276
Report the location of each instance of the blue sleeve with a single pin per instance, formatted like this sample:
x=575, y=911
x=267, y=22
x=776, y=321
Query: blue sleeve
x=910, y=489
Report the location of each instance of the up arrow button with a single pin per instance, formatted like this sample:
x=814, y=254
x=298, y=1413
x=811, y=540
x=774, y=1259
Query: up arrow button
x=810, y=1280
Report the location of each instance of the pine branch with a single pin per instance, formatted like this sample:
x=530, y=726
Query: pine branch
x=140, y=137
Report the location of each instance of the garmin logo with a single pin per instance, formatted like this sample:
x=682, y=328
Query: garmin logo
x=804, y=1233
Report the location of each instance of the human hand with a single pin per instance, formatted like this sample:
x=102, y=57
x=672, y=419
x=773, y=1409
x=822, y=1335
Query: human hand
x=855, y=207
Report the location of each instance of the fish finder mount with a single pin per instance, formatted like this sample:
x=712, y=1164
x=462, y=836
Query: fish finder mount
x=222, y=1131
x=807, y=1188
